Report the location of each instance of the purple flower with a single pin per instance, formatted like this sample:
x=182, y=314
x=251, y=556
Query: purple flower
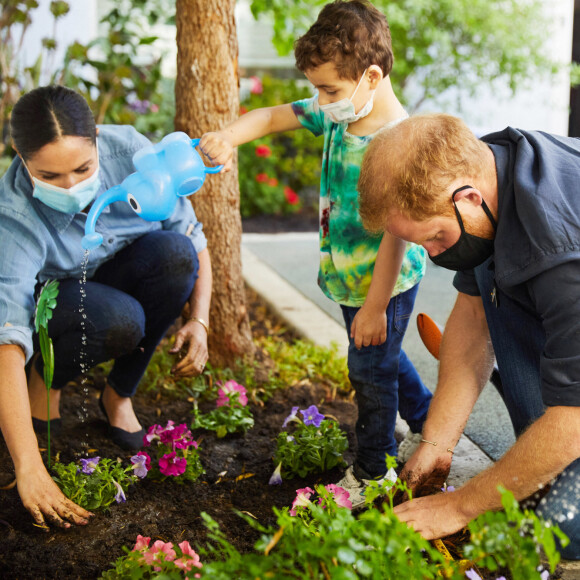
x=447, y=488
x=291, y=417
x=120, y=497
x=545, y=575
x=89, y=464
x=140, y=464
x=472, y=574
x=276, y=478
x=312, y=416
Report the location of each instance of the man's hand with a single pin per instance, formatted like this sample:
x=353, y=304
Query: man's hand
x=47, y=504
x=369, y=327
x=426, y=470
x=193, y=336
x=217, y=149
x=435, y=516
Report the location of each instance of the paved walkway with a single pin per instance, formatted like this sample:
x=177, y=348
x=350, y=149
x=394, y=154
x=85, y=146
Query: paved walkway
x=282, y=269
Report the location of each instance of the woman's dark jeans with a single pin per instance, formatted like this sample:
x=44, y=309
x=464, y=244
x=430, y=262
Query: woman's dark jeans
x=130, y=303
x=385, y=382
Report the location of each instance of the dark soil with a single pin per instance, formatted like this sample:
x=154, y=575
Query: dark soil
x=237, y=469
x=167, y=510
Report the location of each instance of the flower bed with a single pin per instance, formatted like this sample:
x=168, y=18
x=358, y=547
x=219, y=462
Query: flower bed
x=169, y=512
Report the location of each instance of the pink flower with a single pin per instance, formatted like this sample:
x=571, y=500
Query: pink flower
x=189, y=558
x=154, y=108
x=176, y=436
x=229, y=388
x=291, y=196
x=263, y=151
x=341, y=496
x=262, y=178
x=159, y=551
x=172, y=465
x=302, y=499
x=256, y=87
x=152, y=433
x=141, y=543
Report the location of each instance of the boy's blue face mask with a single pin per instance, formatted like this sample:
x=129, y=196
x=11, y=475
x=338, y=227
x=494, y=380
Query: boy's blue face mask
x=67, y=200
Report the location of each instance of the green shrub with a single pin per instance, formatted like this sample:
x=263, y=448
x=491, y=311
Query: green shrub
x=278, y=171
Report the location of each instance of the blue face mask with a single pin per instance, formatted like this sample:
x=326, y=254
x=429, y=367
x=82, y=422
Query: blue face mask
x=71, y=200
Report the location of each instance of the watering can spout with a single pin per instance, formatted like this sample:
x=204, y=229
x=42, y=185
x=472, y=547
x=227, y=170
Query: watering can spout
x=93, y=239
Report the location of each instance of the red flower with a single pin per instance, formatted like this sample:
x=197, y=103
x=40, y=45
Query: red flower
x=263, y=151
x=291, y=196
x=243, y=110
x=262, y=178
x=273, y=182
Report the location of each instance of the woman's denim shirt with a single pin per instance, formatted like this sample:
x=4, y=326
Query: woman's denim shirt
x=39, y=243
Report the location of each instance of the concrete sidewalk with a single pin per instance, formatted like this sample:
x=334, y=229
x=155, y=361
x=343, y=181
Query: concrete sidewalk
x=313, y=323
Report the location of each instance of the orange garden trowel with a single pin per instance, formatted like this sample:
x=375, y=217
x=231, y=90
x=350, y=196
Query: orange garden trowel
x=431, y=333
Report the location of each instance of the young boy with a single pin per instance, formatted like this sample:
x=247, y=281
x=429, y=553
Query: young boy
x=347, y=56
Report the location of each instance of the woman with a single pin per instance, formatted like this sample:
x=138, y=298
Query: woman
x=138, y=281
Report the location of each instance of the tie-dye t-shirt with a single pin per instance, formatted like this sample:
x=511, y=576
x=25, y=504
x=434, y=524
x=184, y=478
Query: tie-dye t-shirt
x=347, y=251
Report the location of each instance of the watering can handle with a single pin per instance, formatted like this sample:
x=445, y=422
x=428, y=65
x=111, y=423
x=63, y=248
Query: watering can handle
x=216, y=169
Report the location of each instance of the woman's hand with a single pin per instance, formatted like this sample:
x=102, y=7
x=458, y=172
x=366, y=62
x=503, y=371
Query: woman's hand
x=217, y=149
x=191, y=341
x=46, y=503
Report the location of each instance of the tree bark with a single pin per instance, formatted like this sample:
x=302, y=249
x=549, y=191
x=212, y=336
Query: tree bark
x=206, y=93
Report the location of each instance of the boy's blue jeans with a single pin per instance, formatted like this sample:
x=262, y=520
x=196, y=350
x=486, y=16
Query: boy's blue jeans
x=518, y=339
x=385, y=382
x=130, y=303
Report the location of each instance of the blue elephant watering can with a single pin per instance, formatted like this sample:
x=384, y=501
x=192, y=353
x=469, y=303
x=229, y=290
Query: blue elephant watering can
x=165, y=172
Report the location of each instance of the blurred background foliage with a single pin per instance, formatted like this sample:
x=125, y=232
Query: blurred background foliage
x=435, y=42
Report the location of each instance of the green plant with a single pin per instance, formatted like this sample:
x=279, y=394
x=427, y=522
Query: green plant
x=231, y=415
x=435, y=43
x=95, y=483
x=45, y=304
x=303, y=359
x=512, y=538
x=161, y=560
x=314, y=445
x=321, y=540
x=15, y=78
x=276, y=171
x=116, y=73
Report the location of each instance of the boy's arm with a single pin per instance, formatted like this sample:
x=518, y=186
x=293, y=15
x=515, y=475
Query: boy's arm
x=219, y=145
x=370, y=323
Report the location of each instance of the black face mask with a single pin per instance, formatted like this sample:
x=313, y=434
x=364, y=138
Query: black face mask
x=469, y=251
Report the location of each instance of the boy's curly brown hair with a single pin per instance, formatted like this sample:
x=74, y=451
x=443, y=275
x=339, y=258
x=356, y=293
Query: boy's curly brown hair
x=353, y=35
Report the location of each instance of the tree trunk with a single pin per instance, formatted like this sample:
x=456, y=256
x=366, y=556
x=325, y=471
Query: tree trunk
x=206, y=93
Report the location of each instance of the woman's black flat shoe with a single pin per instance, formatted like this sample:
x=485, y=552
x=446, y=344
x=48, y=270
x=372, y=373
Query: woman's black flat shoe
x=124, y=439
x=41, y=427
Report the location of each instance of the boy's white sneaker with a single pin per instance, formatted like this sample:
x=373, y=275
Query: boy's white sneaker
x=356, y=487
x=408, y=446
